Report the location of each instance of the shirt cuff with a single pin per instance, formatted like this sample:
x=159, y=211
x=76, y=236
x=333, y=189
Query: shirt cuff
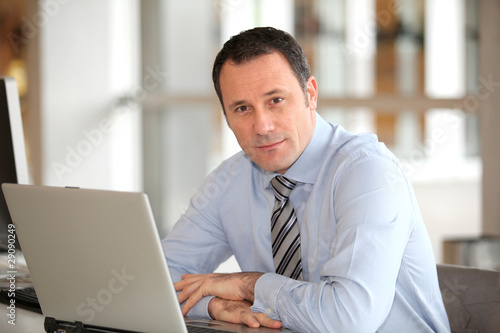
x=266, y=293
x=200, y=309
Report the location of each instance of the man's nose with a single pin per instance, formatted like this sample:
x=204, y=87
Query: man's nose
x=263, y=121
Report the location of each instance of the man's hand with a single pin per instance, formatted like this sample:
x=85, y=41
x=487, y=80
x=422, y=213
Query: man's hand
x=235, y=287
x=239, y=312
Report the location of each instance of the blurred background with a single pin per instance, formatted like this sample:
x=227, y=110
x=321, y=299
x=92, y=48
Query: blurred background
x=117, y=94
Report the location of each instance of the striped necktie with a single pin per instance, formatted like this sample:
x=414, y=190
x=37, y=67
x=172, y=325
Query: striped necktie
x=285, y=231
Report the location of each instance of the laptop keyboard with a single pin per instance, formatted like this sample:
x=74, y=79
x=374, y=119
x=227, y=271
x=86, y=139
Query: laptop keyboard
x=194, y=329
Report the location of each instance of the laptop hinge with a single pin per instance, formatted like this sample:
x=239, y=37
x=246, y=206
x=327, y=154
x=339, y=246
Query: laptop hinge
x=52, y=325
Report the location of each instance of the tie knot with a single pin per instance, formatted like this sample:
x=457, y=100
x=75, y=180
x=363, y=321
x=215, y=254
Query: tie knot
x=282, y=187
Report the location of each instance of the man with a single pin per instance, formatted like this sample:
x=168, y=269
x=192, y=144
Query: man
x=355, y=256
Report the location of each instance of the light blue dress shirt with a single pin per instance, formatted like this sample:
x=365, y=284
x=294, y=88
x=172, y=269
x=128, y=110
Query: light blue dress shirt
x=368, y=264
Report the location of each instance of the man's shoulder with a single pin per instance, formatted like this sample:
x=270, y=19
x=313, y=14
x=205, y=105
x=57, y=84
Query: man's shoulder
x=352, y=145
x=347, y=149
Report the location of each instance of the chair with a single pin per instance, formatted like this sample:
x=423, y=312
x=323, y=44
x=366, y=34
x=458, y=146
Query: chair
x=471, y=297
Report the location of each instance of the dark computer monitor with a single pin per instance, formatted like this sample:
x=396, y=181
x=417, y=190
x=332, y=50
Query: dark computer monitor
x=13, y=163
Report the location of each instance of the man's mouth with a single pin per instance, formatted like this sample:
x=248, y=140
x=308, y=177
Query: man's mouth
x=270, y=146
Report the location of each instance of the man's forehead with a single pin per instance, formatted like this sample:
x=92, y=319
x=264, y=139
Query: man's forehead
x=254, y=85
x=264, y=68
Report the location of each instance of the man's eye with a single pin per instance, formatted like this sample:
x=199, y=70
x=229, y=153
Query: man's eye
x=276, y=100
x=241, y=108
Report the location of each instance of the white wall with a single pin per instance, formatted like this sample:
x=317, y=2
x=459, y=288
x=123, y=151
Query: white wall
x=89, y=53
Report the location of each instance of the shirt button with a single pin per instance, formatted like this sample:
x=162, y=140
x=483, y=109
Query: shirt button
x=269, y=310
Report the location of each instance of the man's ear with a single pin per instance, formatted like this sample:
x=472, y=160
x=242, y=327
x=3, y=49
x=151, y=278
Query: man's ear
x=312, y=93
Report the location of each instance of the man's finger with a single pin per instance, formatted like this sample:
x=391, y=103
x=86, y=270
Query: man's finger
x=187, y=289
x=249, y=320
x=187, y=279
x=265, y=321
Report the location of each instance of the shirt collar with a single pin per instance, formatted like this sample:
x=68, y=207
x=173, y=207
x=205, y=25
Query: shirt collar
x=306, y=168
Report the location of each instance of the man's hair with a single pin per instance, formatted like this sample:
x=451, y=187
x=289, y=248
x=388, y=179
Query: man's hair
x=251, y=44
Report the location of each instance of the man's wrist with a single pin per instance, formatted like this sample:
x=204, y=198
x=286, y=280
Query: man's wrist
x=249, y=281
x=212, y=307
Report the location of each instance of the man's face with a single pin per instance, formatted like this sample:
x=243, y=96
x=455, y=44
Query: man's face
x=267, y=111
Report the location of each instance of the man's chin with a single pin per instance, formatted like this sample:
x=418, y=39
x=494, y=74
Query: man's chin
x=277, y=166
x=271, y=161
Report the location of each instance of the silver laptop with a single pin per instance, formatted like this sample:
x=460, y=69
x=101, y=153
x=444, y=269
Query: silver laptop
x=95, y=257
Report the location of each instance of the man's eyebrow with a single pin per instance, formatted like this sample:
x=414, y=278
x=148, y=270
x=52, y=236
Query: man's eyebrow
x=237, y=103
x=273, y=92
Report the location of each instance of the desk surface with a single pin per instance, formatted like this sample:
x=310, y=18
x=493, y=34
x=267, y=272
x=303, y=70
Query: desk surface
x=26, y=321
